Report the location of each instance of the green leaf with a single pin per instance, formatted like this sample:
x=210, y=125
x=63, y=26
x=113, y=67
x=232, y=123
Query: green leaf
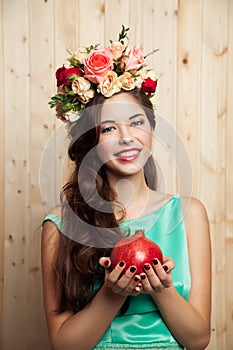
x=75, y=63
x=72, y=77
x=151, y=53
x=123, y=34
x=92, y=47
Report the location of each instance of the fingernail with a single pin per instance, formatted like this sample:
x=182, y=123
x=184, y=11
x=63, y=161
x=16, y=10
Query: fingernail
x=146, y=267
x=143, y=276
x=136, y=279
x=106, y=263
x=155, y=261
x=165, y=267
x=132, y=269
x=121, y=263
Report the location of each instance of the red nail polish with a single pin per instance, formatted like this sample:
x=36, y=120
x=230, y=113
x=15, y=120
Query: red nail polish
x=136, y=278
x=121, y=263
x=106, y=263
x=165, y=268
x=132, y=269
x=143, y=277
x=155, y=261
x=146, y=267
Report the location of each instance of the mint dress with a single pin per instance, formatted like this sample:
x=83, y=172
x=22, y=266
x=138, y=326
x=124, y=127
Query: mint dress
x=142, y=326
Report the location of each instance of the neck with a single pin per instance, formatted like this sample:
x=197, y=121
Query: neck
x=132, y=192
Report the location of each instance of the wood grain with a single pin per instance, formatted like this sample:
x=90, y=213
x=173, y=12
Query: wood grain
x=195, y=68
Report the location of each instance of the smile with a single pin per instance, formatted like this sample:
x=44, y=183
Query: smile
x=128, y=155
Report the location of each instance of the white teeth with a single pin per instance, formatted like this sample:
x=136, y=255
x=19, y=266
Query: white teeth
x=129, y=153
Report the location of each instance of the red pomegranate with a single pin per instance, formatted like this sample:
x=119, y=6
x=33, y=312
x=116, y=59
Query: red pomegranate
x=135, y=250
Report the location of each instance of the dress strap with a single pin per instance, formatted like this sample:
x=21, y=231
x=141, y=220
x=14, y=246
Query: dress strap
x=55, y=219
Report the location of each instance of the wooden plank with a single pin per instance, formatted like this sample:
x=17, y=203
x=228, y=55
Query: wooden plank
x=16, y=109
x=113, y=23
x=188, y=77
x=205, y=31
x=2, y=179
x=41, y=126
x=66, y=33
x=229, y=185
x=213, y=148
x=91, y=22
x=136, y=22
x=66, y=26
x=165, y=62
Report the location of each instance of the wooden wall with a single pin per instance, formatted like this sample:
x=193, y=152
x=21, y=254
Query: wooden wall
x=195, y=65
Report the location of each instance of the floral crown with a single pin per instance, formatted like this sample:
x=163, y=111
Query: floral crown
x=107, y=71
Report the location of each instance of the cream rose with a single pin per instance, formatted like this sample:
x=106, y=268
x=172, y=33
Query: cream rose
x=152, y=74
x=117, y=49
x=140, y=76
x=79, y=55
x=71, y=116
x=109, y=84
x=80, y=85
x=87, y=96
x=127, y=81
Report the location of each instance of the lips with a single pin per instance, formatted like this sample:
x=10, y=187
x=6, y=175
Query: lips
x=128, y=155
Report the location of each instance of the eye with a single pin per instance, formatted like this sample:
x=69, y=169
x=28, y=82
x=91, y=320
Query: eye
x=108, y=129
x=137, y=122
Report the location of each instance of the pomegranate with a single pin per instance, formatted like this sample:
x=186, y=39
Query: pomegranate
x=135, y=250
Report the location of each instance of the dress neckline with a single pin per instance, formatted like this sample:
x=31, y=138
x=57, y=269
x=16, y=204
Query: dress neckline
x=175, y=196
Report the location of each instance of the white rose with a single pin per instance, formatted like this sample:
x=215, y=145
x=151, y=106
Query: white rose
x=140, y=76
x=117, y=49
x=151, y=74
x=154, y=99
x=109, y=84
x=79, y=55
x=127, y=81
x=81, y=85
x=71, y=116
x=86, y=96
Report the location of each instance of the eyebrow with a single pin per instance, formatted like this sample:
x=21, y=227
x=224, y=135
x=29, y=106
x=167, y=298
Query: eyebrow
x=130, y=118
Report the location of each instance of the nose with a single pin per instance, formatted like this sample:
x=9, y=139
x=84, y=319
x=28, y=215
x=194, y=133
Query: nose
x=125, y=136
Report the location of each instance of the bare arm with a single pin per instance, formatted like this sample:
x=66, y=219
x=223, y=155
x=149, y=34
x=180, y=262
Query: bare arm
x=188, y=321
x=83, y=330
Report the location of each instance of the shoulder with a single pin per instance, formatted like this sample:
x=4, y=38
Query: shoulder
x=193, y=209
x=51, y=225
x=54, y=216
x=195, y=218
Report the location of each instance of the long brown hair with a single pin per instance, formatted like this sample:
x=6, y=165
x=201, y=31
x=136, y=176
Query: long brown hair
x=90, y=228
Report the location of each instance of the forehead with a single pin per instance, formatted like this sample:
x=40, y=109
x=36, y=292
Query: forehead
x=120, y=107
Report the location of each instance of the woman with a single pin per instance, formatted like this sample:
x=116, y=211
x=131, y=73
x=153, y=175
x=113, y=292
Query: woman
x=112, y=193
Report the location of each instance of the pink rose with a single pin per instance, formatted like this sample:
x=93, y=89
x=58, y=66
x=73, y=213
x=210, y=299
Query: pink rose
x=134, y=58
x=63, y=73
x=97, y=64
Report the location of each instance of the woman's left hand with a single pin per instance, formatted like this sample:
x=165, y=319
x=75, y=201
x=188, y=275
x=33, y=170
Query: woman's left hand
x=157, y=276
x=125, y=284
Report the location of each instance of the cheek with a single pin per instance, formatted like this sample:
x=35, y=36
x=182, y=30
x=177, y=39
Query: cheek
x=104, y=150
x=145, y=137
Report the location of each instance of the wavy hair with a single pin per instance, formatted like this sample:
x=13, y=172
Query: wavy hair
x=90, y=228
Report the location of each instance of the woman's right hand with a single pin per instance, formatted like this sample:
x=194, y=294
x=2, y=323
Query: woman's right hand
x=125, y=284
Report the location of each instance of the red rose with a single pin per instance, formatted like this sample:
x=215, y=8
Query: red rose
x=149, y=86
x=62, y=75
